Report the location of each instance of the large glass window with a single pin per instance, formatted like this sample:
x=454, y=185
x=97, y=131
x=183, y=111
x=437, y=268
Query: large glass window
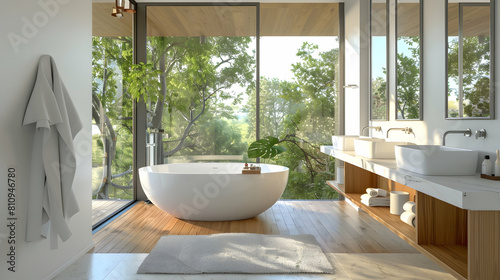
x=218, y=81
x=299, y=88
x=112, y=160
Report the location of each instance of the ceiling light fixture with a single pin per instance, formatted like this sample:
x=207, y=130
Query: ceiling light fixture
x=129, y=7
x=123, y=6
x=119, y=4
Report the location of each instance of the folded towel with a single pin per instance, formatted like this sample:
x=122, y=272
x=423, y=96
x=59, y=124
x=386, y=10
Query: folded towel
x=375, y=204
x=376, y=198
x=409, y=218
x=409, y=206
x=374, y=201
x=376, y=192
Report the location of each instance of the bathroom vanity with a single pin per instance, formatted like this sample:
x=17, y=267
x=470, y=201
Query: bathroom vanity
x=458, y=217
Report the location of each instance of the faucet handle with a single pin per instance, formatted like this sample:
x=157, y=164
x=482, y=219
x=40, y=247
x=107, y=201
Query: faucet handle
x=481, y=133
x=468, y=132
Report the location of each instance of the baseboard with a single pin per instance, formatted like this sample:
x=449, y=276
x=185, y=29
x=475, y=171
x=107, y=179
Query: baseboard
x=69, y=262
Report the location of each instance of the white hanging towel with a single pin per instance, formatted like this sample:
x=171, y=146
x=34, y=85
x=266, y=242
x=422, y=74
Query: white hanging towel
x=51, y=200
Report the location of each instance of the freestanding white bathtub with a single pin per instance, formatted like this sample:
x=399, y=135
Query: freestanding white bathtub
x=213, y=191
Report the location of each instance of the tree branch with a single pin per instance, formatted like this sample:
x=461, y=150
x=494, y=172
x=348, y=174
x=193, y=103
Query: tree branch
x=223, y=61
x=188, y=128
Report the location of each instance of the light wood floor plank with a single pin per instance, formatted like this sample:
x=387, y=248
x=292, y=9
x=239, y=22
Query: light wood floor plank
x=280, y=221
x=337, y=227
x=285, y=209
x=355, y=241
x=106, y=238
x=136, y=245
x=273, y=227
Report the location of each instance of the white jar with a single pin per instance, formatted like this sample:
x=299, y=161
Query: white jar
x=340, y=175
x=487, y=166
x=398, y=199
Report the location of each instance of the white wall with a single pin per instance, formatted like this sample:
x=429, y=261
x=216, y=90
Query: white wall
x=63, y=30
x=431, y=129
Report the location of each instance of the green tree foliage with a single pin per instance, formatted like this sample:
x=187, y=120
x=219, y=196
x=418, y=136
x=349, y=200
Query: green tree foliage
x=316, y=77
x=408, y=87
x=379, y=98
x=408, y=80
x=302, y=114
x=196, y=83
x=112, y=113
x=475, y=74
x=279, y=100
x=143, y=82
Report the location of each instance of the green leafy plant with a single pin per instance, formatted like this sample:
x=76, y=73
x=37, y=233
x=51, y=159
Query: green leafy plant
x=307, y=165
x=265, y=148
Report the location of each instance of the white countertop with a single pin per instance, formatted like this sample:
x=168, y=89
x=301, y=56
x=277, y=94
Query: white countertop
x=466, y=192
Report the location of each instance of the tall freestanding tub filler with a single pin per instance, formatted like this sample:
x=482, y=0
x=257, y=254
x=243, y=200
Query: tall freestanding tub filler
x=213, y=191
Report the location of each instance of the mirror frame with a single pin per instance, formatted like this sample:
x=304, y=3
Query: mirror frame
x=492, y=64
x=387, y=65
x=421, y=64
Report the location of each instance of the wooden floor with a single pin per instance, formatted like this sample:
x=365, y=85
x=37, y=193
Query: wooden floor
x=335, y=224
x=102, y=208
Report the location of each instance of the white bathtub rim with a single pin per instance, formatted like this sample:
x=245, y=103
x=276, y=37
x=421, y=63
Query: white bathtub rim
x=163, y=168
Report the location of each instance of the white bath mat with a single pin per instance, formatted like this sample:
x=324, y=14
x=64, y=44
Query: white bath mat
x=236, y=253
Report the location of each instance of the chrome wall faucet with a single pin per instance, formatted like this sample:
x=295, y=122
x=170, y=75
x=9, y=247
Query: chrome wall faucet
x=376, y=128
x=466, y=133
x=406, y=130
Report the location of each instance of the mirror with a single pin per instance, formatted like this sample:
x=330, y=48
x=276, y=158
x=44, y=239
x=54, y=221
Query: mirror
x=378, y=70
x=409, y=59
x=470, y=77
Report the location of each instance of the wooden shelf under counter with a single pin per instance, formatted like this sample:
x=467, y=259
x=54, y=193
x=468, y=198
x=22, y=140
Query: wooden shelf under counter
x=381, y=214
x=458, y=217
x=441, y=232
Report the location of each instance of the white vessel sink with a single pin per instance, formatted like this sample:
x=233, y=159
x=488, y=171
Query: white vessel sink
x=343, y=142
x=376, y=148
x=436, y=160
